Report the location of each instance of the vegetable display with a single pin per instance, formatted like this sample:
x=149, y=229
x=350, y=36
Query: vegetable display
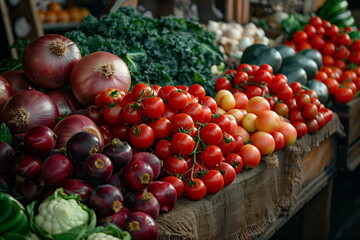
x=164, y=51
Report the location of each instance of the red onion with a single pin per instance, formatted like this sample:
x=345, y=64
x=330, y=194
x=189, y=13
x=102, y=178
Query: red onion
x=5, y=91
x=74, y=186
x=65, y=101
x=141, y=226
x=18, y=80
x=72, y=124
x=96, y=72
x=48, y=60
x=27, y=109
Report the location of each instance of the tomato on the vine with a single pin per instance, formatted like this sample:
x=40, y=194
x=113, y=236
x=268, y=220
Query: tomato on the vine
x=211, y=134
x=162, y=149
x=195, y=189
x=228, y=172
x=211, y=156
x=235, y=161
x=222, y=83
x=153, y=107
x=141, y=91
x=177, y=100
x=131, y=113
x=141, y=136
x=315, y=21
x=195, y=111
x=112, y=115
x=301, y=128
x=109, y=97
x=227, y=144
x=299, y=37
x=213, y=181
x=161, y=127
x=197, y=90
x=182, y=144
x=310, y=30
x=181, y=121
x=177, y=183
x=175, y=166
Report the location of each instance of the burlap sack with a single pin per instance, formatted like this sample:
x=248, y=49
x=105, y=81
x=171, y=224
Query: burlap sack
x=246, y=208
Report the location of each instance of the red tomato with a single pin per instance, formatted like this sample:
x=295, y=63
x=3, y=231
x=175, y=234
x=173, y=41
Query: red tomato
x=177, y=100
x=299, y=37
x=301, y=128
x=112, y=115
x=197, y=90
x=347, y=76
x=165, y=91
x=181, y=120
x=109, y=97
x=227, y=144
x=355, y=57
x=127, y=99
x=223, y=122
x=195, y=189
x=279, y=140
x=177, y=183
x=235, y=161
x=303, y=45
x=195, y=111
x=315, y=21
x=244, y=67
x=328, y=60
x=328, y=48
x=141, y=136
x=239, y=140
x=310, y=111
x=281, y=109
x=342, y=52
x=161, y=128
x=340, y=64
x=264, y=142
x=355, y=46
x=317, y=42
x=240, y=100
x=121, y=132
x=207, y=114
x=153, y=107
x=141, y=91
x=175, y=166
x=284, y=92
x=257, y=104
x=213, y=181
x=291, y=103
x=240, y=77
x=262, y=77
x=312, y=125
x=328, y=114
x=162, y=149
x=350, y=85
x=228, y=172
x=296, y=87
x=343, y=39
x=357, y=83
x=106, y=131
x=131, y=113
x=296, y=116
x=310, y=30
x=211, y=156
x=331, y=31
x=182, y=144
x=250, y=155
x=222, y=83
x=343, y=95
x=320, y=120
x=288, y=131
x=210, y=103
x=277, y=82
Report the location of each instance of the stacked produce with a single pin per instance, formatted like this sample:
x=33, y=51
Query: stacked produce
x=340, y=53
x=55, y=13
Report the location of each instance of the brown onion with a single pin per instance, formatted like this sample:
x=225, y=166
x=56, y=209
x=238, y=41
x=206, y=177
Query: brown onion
x=65, y=101
x=48, y=60
x=96, y=72
x=27, y=109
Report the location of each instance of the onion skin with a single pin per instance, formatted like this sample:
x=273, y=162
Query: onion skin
x=47, y=69
x=88, y=76
x=5, y=91
x=65, y=101
x=165, y=194
x=72, y=124
x=55, y=169
x=74, y=186
x=28, y=109
x=18, y=80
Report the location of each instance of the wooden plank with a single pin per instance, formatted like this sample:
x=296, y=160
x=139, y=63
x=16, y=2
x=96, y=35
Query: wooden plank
x=9, y=36
x=229, y=10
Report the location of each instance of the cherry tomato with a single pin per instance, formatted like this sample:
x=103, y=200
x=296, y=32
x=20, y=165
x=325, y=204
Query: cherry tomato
x=328, y=60
x=181, y=120
x=342, y=52
x=315, y=21
x=131, y=113
x=211, y=134
x=227, y=144
x=331, y=31
x=153, y=107
x=141, y=136
x=347, y=76
x=343, y=95
x=350, y=85
x=141, y=91
x=328, y=48
x=296, y=116
x=295, y=87
x=240, y=77
x=263, y=76
x=211, y=156
x=312, y=125
x=309, y=111
x=310, y=30
x=177, y=183
x=213, y=181
x=301, y=128
x=222, y=83
x=253, y=91
x=210, y=103
x=223, y=122
x=165, y=91
x=355, y=46
x=244, y=67
x=109, y=97
x=284, y=92
x=162, y=149
x=195, y=111
x=207, y=114
x=182, y=144
x=112, y=115
x=279, y=140
x=235, y=161
x=228, y=172
x=197, y=90
x=161, y=128
x=177, y=100
x=303, y=45
x=343, y=39
x=299, y=37
x=320, y=120
x=175, y=166
x=317, y=42
x=183, y=87
x=355, y=57
x=281, y=109
x=195, y=189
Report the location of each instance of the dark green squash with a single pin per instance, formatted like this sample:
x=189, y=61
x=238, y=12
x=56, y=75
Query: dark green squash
x=259, y=54
x=314, y=55
x=320, y=88
x=294, y=74
x=306, y=63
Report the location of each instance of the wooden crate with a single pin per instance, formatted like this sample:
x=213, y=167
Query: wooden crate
x=319, y=160
x=349, y=146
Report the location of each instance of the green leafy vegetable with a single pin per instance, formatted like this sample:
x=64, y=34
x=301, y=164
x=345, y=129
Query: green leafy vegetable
x=5, y=135
x=163, y=51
